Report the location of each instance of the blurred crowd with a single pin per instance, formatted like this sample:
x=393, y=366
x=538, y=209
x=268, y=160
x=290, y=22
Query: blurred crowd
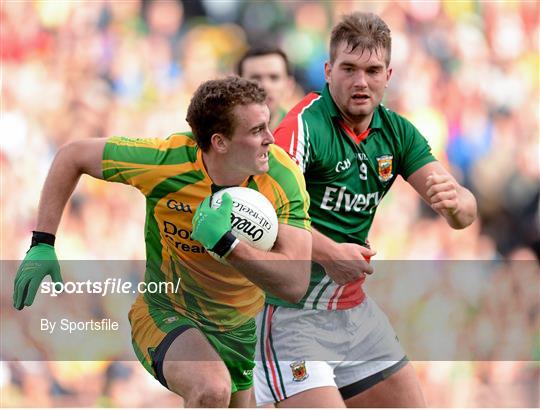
x=465, y=73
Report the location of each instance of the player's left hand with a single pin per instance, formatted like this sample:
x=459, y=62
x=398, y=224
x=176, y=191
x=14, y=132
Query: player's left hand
x=40, y=261
x=442, y=193
x=212, y=226
x=350, y=263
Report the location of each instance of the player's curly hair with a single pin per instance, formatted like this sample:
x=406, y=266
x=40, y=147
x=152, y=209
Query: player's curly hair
x=365, y=31
x=211, y=108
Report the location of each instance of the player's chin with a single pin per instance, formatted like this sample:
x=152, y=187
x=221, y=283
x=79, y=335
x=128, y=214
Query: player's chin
x=264, y=168
x=261, y=167
x=362, y=110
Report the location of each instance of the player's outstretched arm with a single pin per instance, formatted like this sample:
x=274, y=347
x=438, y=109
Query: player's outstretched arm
x=71, y=161
x=284, y=271
x=343, y=262
x=444, y=194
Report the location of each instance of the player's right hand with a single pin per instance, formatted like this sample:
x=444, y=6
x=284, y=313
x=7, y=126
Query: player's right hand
x=39, y=262
x=212, y=226
x=350, y=262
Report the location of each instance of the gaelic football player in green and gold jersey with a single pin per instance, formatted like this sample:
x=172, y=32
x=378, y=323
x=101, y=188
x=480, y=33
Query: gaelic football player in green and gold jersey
x=200, y=341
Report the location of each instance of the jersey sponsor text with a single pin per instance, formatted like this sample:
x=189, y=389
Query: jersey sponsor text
x=336, y=199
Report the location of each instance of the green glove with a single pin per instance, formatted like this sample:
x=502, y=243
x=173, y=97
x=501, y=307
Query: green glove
x=212, y=226
x=39, y=262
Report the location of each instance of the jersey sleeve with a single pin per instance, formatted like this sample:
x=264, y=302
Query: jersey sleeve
x=288, y=191
x=416, y=150
x=143, y=162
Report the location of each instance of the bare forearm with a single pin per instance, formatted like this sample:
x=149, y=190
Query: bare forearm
x=71, y=161
x=282, y=274
x=322, y=246
x=444, y=194
x=343, y=262
x=60, y=183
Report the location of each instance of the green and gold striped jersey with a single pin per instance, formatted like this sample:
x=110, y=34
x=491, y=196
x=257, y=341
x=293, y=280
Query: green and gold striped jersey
x=171, y=175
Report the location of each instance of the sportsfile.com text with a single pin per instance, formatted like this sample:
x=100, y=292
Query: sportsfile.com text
x=109, y=286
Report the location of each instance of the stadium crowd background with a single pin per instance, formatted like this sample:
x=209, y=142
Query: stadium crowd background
x=466, y=73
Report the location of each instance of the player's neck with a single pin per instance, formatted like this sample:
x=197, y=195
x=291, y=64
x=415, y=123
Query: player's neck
x=219, y=172
x=358, y=125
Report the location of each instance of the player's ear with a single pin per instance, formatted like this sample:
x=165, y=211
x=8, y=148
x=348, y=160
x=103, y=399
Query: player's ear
x=220, y=143
x=388, y=74
x=327, y=70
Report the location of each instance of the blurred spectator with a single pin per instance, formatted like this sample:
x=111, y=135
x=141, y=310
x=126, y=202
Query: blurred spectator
x=270, y=67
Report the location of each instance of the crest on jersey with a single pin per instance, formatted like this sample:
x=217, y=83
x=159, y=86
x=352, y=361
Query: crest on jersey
x=384, y=165
x=299, y=371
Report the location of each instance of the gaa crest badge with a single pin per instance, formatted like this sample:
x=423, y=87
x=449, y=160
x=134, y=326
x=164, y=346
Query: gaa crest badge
x=299, y=371
x=384, y=166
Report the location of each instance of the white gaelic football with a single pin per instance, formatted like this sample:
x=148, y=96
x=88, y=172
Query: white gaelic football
x=254, y=218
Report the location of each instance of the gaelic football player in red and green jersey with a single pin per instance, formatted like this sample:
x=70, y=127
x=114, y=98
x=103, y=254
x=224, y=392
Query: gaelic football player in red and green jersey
x=200, y=341
x=336, y=347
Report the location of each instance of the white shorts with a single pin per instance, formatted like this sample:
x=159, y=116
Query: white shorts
x=299, y=349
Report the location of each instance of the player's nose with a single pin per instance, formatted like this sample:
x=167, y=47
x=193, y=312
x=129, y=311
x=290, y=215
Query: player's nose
x=360, y=80
x=269, y=137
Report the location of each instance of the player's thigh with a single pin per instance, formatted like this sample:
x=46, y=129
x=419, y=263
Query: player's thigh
x=279, y=383
x=153, y=330
x=377, y=373
x=191, y=364
x=375, y=353
x=297, y=351
x=401, y=389
x=237, y=350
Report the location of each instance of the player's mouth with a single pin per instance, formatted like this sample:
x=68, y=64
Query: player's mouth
x=264, y=156
x=360, y=98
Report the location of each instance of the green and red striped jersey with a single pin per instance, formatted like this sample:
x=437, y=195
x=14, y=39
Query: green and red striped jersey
x=347, y=175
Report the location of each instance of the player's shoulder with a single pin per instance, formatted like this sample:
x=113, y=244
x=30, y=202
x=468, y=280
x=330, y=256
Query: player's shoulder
x=310, y=104
x=281, y=164
x=175, y=140
x=176, y=148
x=284, y=181
x=398, y=130
x=180, y=139
x=301, y=125
x=388, y=116
x=277, y=153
